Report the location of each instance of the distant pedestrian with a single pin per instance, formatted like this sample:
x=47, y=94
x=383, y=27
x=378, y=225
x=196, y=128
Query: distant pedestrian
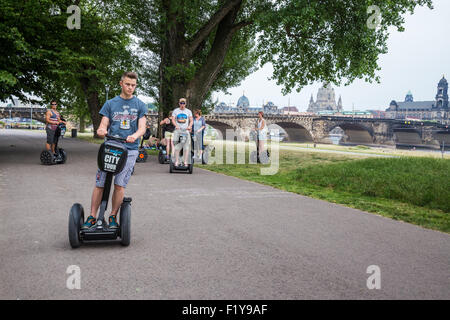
x=261, y=129
x=199, y=129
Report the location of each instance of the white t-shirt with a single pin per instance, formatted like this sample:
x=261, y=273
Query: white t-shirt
x=182, y=117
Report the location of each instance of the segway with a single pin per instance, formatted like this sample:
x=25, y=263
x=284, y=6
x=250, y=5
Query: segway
x=111, y=159
x=256, y=156
x=47, y=157
x=143, y=155
x=207, y=151
x=163, y=158
x=184, y=135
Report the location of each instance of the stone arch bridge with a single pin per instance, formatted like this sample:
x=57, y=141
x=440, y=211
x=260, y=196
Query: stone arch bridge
x=365, y=131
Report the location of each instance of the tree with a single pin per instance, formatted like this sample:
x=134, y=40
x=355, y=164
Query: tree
x=45, y=58
x=92, y=57
x=24, y=51
x=197, y=47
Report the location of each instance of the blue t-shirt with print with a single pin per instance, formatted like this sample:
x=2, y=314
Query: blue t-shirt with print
x=123, y=117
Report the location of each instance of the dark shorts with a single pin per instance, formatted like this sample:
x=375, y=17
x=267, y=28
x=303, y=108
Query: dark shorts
x=50, y=135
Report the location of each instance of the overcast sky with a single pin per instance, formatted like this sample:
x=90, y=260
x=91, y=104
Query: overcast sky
x=416, y=61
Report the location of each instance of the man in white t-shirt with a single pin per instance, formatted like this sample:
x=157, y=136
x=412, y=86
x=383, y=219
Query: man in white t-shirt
x=182, y=120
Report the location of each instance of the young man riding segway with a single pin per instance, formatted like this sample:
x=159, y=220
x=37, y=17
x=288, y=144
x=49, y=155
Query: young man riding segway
x=123, y=118
x=182, y=120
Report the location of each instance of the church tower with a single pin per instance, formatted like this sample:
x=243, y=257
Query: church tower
x=442, y=94
x=409, y=97
x=339, y=105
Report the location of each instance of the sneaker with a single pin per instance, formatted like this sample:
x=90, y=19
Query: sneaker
x=89, y=222
x=113, y=222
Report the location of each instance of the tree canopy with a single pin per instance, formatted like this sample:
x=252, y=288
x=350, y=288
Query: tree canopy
x=190, y=48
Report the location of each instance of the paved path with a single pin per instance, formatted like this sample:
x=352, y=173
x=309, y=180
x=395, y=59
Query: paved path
x=200, y=236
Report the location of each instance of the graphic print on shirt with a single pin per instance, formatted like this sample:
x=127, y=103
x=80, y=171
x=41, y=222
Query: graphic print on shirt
x=182, y=118
x=125, y=117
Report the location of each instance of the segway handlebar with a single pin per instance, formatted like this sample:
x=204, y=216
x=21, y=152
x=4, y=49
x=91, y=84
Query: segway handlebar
x=110, y=137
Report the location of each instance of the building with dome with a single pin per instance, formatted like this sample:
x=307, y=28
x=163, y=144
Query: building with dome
x=437, y=109
x=243, y=106
x=326, y=101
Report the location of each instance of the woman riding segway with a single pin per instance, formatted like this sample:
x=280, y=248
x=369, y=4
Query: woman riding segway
x=167, y=143
x=55, y=128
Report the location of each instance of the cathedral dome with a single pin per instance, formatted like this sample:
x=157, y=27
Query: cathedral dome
x=243, y=102
x=443, y=82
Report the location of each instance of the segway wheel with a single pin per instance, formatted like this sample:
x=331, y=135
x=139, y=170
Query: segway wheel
x=171, y=166
x=142, y=157
x=63, y=155
x=253, y=157
x=125, y=223
x=265, y=157
x=46, y=157
x=191, y=168
x=205, y=156
x=76, y=219
x=161, y=158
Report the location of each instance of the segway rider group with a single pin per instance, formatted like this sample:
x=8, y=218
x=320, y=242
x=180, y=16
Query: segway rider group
x=123, y=120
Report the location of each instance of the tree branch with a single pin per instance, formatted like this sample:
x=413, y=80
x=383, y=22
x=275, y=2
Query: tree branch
x=208, y=27
x=207, y=74
x=241, y=25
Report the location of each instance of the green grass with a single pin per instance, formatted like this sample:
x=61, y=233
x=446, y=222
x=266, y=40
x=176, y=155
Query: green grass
x=414, y=190
x=411, y=189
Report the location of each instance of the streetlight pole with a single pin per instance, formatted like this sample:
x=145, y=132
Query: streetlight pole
x=107, y=90
x=31, y=117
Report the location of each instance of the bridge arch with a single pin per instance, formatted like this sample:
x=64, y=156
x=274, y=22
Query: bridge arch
x=442, y=136
x=295, y=132
x=407, y=136
x=220, y=126
x=355, y=133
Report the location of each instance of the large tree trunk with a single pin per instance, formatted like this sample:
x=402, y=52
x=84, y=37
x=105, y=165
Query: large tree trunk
x=177, y=52
x=82, y=124
x=87, y=84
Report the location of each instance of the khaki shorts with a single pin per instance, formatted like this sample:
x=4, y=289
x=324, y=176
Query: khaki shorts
x=168, y=135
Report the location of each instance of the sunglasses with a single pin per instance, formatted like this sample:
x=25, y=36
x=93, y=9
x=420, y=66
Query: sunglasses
x=182, y=102
x=54, y=104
